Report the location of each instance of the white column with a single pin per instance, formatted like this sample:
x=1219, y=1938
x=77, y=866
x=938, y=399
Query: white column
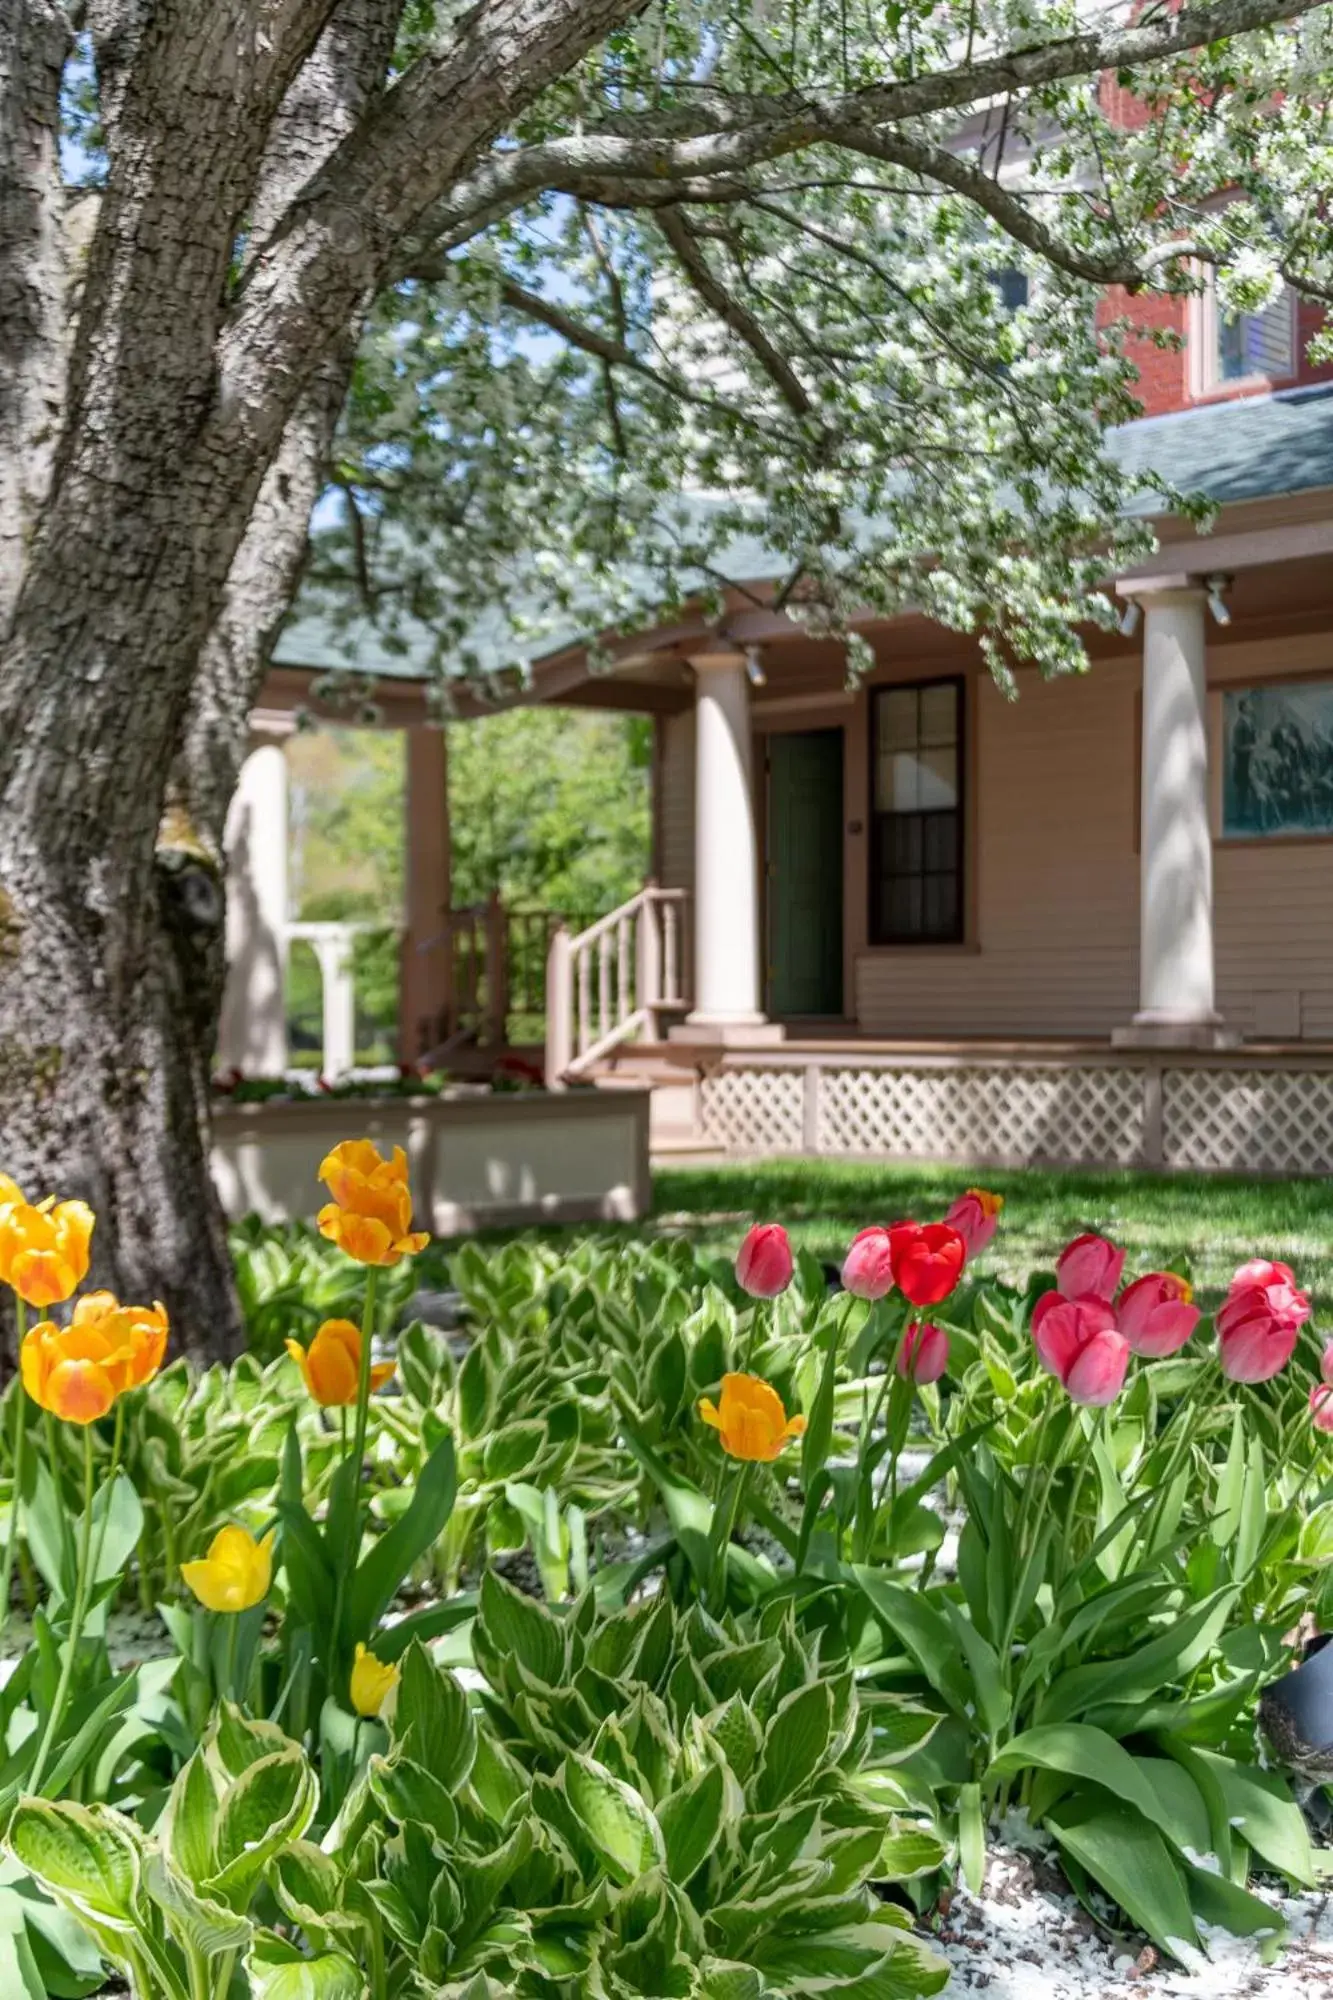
x=1176, y=993
x=252, y=1034
x=333, y=948
x=726, y=865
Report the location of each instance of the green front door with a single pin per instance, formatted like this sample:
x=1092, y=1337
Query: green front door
x=805, y=873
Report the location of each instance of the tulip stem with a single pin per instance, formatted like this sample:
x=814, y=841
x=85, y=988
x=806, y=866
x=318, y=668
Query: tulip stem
x=76, y=1617
x=20, y=1436
x=363, y=1376
x=117, y=1447
x=233, y=1629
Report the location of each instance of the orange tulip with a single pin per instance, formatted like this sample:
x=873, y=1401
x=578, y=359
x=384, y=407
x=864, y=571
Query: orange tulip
x=43, y=1249
x=370, y=1216
x=331, y=1365
x=77, y=1371
x=751, y=1419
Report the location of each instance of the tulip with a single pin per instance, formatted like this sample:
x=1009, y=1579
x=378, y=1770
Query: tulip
x=331, y=1365
x=1156, y=1314
x=1259, y=1321
x=370, y=1216
x=750, y=1417
x=867, y=1270
x=764, y=1261
x=236, y=1573
x=1089, y=1267
x=1078, y=1342
x=77, y=1371
x=43, y=1249
x=372, y=1683
x=1321, y=1406
x=928, y=1259
x=923, y=1353
x=976, y=1217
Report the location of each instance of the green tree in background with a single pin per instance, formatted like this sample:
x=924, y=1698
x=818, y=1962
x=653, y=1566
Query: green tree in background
x=552, y=807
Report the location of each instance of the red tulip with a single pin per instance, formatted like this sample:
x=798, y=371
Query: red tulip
x=1089, y=1267
x=867, y=1270
x=923, y=1352
x=1156, y=1314
x=764, y=1261
x=1078, y=1342
x=928, y=1260
x=1321, y=1406
x=976, y=1217
x=1259, y=1321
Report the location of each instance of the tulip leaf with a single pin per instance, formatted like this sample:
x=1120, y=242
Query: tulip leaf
x=1230, y=1485
x=1261, y=1809
x=972, y=1837
x=1130, y=1860
x=913, y=1620
x=383, y=1570
x=1079, y=1751
x=1143, y=1674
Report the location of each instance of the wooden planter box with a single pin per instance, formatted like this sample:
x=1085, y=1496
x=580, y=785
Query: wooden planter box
x=478, y=1158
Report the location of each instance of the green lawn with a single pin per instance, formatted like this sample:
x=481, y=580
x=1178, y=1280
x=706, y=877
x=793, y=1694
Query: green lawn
x=1216, y=1223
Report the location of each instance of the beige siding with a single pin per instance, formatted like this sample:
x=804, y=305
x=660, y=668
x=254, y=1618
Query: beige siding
x=1054, y=942
x=675, y=801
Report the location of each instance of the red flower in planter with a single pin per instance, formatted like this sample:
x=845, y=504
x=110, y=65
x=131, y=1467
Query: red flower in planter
x=1089, y=1267
x=1078, y=1342
x=1259, y=1321
x=927, y=1259
x=923, y=1353
x=764, y=1261
x=867, y=1270
x=1156, y=1314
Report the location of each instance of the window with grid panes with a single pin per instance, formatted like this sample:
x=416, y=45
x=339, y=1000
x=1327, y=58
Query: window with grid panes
x=916, y=859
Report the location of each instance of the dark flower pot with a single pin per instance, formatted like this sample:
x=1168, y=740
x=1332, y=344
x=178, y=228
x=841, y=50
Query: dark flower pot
x=1296, y=1713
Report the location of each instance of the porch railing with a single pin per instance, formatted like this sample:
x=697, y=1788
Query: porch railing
x=614, y=980
x=494, y=975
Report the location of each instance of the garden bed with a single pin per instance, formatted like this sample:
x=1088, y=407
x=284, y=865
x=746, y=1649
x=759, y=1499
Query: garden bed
x=478, y=1157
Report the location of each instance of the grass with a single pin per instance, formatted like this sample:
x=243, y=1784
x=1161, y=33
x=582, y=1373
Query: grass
x=1213, y=1223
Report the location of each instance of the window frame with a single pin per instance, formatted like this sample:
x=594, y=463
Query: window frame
x=1206, y=380
x=876, y=939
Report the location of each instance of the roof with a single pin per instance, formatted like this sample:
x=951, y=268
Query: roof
x=1247, y=448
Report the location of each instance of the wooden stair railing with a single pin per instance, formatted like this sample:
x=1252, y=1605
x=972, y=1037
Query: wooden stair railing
x=614, y=980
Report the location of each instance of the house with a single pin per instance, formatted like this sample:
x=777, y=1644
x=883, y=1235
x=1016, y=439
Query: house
x=913, y=917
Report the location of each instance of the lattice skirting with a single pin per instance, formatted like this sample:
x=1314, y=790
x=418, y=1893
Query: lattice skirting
x=1145, y=1113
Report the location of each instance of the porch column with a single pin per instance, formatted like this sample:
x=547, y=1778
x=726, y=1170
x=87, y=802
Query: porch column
x=333, y=945
x=726, y=862
x=1176, y=994
x=427, y=961
x=252, y=1032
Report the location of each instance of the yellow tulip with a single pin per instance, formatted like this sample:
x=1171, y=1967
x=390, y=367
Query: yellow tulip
x=751, y=1419
x=331, y=1365
x=43, y=1249
x=77, y=1371
x=235, y=1574
x=372, y=1683
x=370, y=1216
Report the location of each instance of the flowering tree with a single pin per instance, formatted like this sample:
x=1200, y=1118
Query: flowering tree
x=833, y=189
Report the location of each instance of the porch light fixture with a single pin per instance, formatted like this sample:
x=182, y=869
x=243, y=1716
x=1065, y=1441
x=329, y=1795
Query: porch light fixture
x=754, y=667
x=1217, y=586
x=1129, y=618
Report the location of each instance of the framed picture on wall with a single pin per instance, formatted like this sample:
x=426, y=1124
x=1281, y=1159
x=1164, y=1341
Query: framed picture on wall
x=1277, y=759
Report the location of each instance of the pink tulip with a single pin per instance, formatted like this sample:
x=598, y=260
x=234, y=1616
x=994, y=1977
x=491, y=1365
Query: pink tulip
x=1321, y=1406
x=923, y=1353
x=976, y=1217
x=1078, y=1342
x=1259, y=1321
x=1089, y=1267
x=764, y=1261
x=1156, y=1314
x=867, y=1270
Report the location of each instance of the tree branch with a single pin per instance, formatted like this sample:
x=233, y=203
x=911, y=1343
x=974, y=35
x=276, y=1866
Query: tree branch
x=733, y=314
